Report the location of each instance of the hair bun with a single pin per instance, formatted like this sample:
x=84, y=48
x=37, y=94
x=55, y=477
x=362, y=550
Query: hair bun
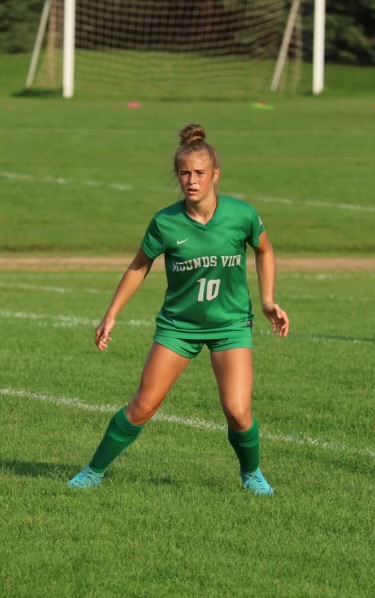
x=191, y=133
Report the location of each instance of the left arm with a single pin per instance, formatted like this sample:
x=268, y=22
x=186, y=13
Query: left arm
x=265, y=266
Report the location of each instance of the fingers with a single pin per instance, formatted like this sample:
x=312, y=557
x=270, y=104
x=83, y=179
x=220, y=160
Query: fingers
x=282, y=321
x=279, y=320
x=102, y=341
x=284, y=329
x=102, y=336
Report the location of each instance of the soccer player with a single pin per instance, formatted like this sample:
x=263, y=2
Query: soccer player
x=204, y=239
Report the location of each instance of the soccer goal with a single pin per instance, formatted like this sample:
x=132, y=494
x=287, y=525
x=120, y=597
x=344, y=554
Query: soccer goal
x=171, y=49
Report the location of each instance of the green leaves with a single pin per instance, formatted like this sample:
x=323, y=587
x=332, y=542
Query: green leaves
x=18, y=25
x=350, y=26
x=350, y=32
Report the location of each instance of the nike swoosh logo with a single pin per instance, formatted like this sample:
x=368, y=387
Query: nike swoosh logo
x=183, y=241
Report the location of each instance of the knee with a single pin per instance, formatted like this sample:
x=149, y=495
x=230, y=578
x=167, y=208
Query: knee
x=141, y=408
x=240, y=420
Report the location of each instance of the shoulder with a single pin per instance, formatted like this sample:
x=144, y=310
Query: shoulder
x=242, y=215
x=168, y=212
x=238, y=206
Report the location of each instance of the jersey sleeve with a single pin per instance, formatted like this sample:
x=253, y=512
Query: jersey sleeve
x=256, y=227
x=152, y=243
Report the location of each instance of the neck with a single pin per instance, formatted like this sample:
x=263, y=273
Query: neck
x=202, y=210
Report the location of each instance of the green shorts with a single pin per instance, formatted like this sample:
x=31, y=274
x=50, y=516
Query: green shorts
x=191, y=347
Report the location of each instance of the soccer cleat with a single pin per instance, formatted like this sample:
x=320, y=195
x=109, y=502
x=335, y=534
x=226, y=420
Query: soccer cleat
x=256, y=483
x=86, y=478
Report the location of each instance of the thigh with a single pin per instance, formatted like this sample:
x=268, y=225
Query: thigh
x=160, y=372
x=233, y=370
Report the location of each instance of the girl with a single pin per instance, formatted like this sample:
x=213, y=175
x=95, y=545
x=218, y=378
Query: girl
x=204, y=239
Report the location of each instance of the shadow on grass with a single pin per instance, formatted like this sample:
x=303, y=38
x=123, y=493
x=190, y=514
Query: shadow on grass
x=163, y=480
x=37, y=93
x=38, y=469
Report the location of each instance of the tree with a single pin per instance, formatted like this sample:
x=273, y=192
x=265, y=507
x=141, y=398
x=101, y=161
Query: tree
x=18, y=24
x=350, y=29
x=350, y=32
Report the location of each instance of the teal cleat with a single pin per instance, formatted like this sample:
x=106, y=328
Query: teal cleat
x=256, y=483
x=86, y=478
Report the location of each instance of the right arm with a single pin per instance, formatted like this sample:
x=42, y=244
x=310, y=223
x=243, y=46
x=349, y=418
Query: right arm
x=130, y=282
x=265, y=265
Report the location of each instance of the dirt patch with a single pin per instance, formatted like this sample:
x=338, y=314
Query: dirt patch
x=329, y=264
x=58, y=264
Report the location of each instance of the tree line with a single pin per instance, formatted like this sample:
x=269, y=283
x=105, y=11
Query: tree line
x=350, y=26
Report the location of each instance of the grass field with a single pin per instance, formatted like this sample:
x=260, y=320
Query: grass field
x=171, y=519
x=82, y=178
x=94, y=171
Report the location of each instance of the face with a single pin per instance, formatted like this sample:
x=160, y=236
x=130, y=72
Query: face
x=197, y=177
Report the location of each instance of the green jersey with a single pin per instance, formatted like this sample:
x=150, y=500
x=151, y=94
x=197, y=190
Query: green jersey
x=207, y=295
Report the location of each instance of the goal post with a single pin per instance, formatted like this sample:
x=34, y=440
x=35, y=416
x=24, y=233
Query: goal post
x=319, y=39
x=318, y=45
x=282, y=58
x=38, y=42
x=170, y=49
x=69, y=47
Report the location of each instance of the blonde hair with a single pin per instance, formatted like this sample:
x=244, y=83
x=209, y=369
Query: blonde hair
x=192, y=139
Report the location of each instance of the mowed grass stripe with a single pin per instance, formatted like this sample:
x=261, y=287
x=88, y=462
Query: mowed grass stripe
x=77, y=403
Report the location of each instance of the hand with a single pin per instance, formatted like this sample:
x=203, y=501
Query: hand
x=103, y=333
x=278, y=318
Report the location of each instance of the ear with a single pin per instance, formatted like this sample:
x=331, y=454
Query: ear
x=216, y=175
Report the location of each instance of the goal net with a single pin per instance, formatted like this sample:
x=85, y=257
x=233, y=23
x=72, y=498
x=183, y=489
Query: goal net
x=173, y=49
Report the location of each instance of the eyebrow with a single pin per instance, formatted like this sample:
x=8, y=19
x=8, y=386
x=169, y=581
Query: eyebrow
x=193, y=170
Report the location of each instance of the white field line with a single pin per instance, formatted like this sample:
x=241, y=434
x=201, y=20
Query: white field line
x=328, y=338
x=27, y=178
x=187, y=422
x=61, y=290
x=61, y=321
x=47, y=289
x=310, y=203
x=321, y=276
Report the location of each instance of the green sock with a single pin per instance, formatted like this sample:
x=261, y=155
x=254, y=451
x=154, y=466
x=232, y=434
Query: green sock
x=246, y=446
x=119, y=435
